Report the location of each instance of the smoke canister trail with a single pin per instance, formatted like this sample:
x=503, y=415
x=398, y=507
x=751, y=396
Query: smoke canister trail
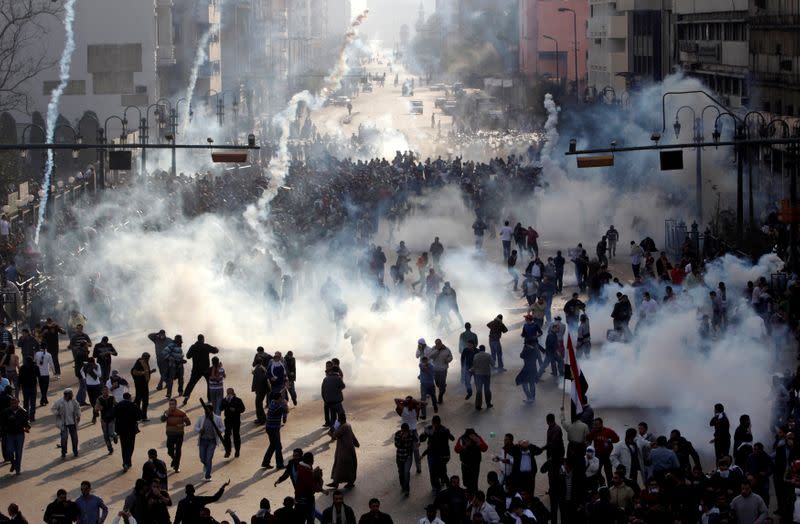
x=550, y=126
x=52, y=108
x=279, y=166
x=200, y=57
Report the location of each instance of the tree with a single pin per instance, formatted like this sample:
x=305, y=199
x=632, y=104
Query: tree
x=23, y=52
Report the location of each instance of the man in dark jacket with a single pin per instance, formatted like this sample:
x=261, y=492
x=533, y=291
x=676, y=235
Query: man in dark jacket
x=126, y=424
x=452, y=501
x=141, y=372
x=189, y=507
x=62, y=510
x=332, y=386
x=14, y=425
x=684, y=450
x=375, y=515
x=160, y=341
x=260, y=385
x=199, y=353
x=339, y=512
x=722, y=431
x=232, y=407
x=438, y=438
x=50, y=332
x=496, y=330
x=28, y=381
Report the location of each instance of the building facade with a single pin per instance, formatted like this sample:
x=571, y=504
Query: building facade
x=775, y=57
x=713, y=46
x=630, y=43
x=114, y=65
x=540, y=19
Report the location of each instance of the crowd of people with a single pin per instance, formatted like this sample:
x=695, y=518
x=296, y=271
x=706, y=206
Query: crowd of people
x=593, y=473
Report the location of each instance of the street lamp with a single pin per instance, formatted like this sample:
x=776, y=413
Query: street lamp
x=575, y=32
x=142, y=134
x=558, y=71
x=762, y=133
x=24, y=152
x=738, y=136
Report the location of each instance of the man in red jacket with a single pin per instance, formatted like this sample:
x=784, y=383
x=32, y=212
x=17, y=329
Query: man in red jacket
x=603, y=440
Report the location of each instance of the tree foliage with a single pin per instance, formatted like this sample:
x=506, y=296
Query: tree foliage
x=23, y=48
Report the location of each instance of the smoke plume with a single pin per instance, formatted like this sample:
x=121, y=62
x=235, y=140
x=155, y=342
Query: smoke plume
x=52, y=107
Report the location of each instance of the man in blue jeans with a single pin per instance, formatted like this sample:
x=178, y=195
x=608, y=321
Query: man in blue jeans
x=427, y=387
x=209, y=427
x=482, y=369
x=275, y=412
x=14, y=422
x=496, y=330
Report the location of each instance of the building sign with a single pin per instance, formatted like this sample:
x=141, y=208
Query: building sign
x=709, y=53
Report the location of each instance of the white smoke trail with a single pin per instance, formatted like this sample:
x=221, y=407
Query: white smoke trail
x=550, y=126
x=199, y=59
x=52, y=108
x=279, y=166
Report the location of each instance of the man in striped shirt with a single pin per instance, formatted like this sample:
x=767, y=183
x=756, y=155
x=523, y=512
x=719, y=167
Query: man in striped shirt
x=276, y=411
x=404, y=443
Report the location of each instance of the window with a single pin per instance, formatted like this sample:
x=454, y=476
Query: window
x=786, y=65
x=790, y=110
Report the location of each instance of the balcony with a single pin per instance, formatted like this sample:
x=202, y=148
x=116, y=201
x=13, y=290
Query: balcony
x=209, y=69
x=619, y=63
x=166, y=55
x=783, y=80
x=618, y=27
x=775, y=22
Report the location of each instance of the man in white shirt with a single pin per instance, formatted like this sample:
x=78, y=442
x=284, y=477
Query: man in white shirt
x=647, y=308
x=506, y=233
x=5, y=228
x=44, y=361
x=486, y=510
x=430, y=516
x=423, y=349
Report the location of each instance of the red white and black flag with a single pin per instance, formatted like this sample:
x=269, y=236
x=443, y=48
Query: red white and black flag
x=580, y=386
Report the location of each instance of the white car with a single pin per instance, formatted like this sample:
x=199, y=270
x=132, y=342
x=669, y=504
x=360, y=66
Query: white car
x=416, y=107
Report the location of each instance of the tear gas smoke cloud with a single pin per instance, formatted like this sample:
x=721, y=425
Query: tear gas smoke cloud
x=64, y=65
x=671, y=367
x=162, y=270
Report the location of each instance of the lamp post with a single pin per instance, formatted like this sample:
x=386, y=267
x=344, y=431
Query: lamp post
x=142, y=136
x=105, y=136
x=220, y=109
x=762, y=132
x=698, y=139
x=98, y=152
x=173, y=122
x=739, y=136
x=575, y=33
x=558, y=71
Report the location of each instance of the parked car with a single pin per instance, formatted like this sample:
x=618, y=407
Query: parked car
x=439, y=102
x=416, y=107
x=341, y=101
x=438, y=87
x=367, y=88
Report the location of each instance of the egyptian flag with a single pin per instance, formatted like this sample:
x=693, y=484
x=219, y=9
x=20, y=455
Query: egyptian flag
x=579, y=387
